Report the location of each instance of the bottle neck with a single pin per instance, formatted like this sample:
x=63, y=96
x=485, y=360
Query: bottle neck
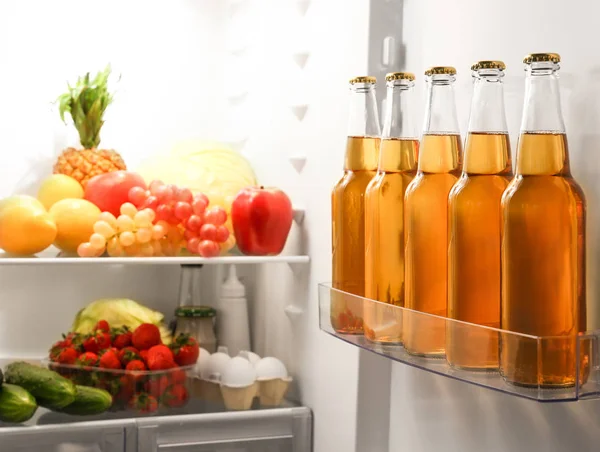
x=487, y=105
x=541, y=110
x=487, y=148
x=363, y=119
x=542, y=149
x=398, y=121
x=440, y=114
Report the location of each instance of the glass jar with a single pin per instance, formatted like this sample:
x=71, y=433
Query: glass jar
x=199, y=323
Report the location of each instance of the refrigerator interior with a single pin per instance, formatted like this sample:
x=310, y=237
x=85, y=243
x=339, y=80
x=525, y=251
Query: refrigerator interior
x=269, y=77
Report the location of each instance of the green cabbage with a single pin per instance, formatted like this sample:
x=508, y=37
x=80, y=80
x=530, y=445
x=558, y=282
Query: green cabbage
x=119, y=312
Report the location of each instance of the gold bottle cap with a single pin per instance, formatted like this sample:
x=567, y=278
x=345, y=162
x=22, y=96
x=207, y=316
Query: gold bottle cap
x=535, y=57
x=489, y=64
x=363, y=79
x=438, y=70
x=400, y=76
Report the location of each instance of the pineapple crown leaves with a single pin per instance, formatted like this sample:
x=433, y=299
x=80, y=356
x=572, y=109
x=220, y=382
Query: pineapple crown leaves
x=86, y=102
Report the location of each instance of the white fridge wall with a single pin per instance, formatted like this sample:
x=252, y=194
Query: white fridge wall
x=434, y=413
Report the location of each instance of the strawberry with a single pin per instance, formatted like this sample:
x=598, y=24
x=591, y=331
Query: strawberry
x=144, y=403
x=96, y=342
x=128, y=354
x=157, y=386
x=160, y=357
x=144, y=356
x=122, y=337
x=56, y=349
x=67, y=356
x=175, y=396
x=185, y=350
x=134, y=368
x=103, y=326
x=109, y=360
x=126, y=389
x=146, y=336
x=178, y=376
x=87, y=359
x=136, y=365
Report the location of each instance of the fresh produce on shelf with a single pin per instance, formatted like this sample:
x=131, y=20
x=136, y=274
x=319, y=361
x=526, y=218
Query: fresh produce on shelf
x=160, y=357
x=205, y=167
x=49, y=388
x=131, y=234
x=119, y=313
x=16, y=404
x=128, y=374
x=88, y=401
x=57, y=187
x=110, y=191
x=86, y=102
x=74, y=219
x=185, y=350
x=262, y=218
x=146, y=336
x=204, y=227
x=144, y=403
x=25, y=226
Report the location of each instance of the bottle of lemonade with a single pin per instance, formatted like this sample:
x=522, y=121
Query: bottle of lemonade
x=347, y=202
x=543, y=243
x=426, y=218
x=384, y=211
x=474, y=226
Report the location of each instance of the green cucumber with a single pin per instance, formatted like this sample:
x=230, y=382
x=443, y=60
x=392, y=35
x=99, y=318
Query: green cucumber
x=49, y=388
x=88, y=401
x=16, y=404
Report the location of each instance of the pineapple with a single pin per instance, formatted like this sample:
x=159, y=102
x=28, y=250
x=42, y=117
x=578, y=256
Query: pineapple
x=87, y=102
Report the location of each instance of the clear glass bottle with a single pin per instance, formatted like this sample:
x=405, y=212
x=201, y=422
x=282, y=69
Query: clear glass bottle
x=426, y=217
x=347, y=206
x=543, y=242
x=384, y=211
x=474, y=226
x=199, y=323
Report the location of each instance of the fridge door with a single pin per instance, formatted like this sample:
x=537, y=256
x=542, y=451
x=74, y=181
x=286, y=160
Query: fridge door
x=275, y=430
x=84, y=437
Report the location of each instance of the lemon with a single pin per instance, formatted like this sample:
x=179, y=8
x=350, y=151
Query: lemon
x=25, y=226
x=58, y=187
x=74, y=220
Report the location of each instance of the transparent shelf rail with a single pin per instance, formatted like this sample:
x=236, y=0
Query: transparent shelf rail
x=546, y=369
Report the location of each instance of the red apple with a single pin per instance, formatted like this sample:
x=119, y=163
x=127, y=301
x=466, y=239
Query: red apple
x=262, y=218
x=111, y=190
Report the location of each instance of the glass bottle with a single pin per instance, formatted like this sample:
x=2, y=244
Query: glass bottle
x=426, y=218
x=347, y=207
x=543, y=242
x=384, y=212
x=474, y=226
x=199, y=323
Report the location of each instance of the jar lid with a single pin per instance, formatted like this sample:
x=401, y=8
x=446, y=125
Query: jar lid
x=195, y=311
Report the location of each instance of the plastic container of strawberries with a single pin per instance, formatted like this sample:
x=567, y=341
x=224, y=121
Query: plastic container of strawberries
x=142, y=392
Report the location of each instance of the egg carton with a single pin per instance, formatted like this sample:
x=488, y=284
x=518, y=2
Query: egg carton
x=236, y=381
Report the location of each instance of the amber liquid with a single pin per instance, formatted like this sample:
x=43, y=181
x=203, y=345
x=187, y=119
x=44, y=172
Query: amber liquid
x=348, y=233
x=426, y=243
x=543, y=267
x=474, y=252
x=384, y=238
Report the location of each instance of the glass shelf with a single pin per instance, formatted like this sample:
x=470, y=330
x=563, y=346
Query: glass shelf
x=44, y=416
x=52, y=256
x=546, y=369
